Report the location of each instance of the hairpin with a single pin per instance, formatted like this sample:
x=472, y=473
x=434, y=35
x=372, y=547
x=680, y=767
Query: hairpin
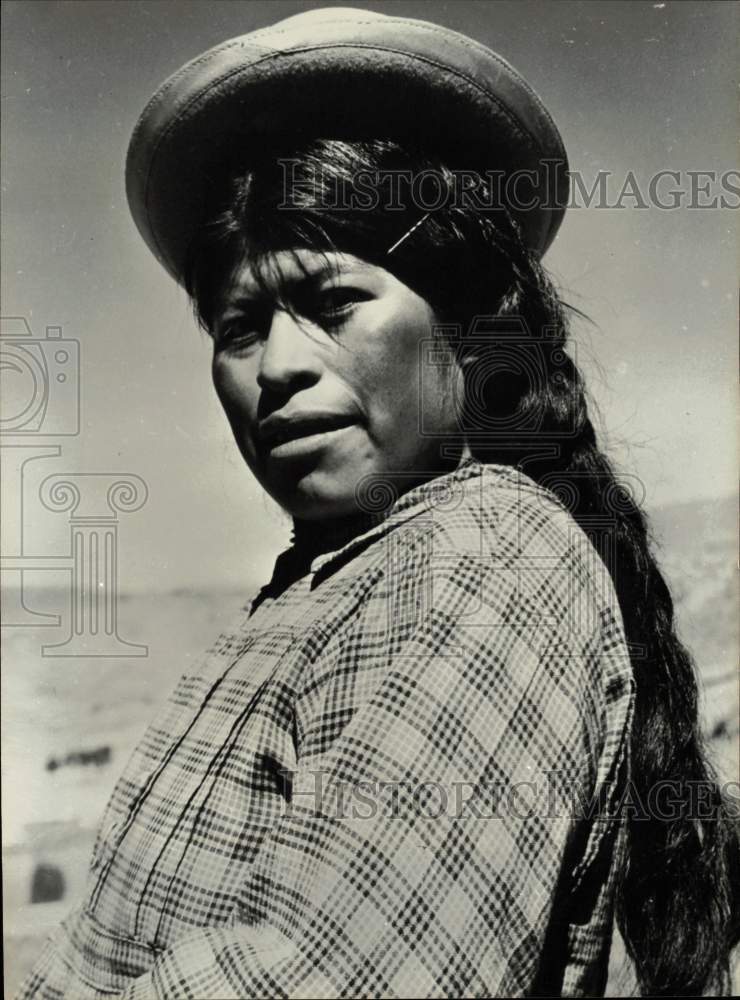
x=408, y=233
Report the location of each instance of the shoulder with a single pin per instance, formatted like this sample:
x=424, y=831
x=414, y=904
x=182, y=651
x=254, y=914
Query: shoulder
x=508, y=512
x=523, y=544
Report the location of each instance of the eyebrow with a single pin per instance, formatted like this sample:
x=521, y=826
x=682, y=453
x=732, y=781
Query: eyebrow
x=292, y=284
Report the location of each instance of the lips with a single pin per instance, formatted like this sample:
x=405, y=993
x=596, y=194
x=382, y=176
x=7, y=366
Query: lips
x=279, y=428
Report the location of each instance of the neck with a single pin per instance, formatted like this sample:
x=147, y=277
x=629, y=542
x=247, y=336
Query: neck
x=326, y=534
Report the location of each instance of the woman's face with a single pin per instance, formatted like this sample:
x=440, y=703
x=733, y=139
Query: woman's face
x=325, y=379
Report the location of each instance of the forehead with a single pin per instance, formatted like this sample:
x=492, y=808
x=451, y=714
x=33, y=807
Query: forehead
x=280, y=271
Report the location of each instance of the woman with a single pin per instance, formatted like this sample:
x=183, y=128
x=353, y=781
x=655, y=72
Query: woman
x=427, y=758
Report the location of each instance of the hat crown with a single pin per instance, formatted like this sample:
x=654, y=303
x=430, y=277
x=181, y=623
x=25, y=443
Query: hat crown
x=337, y=72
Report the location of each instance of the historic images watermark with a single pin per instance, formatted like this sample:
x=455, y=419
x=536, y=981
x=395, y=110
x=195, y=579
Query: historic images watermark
x=518, y=191
x=548, y=796
x=41, y=403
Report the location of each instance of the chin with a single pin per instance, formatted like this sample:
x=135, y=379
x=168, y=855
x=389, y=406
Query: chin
x=318, y=497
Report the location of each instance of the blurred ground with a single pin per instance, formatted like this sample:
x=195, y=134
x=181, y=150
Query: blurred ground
x=69, y=724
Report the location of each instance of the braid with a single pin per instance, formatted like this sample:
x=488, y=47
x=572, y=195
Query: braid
x=677, y=904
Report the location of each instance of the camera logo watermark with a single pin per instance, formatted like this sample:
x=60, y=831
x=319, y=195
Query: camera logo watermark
x=497, y=354
x=41, y=401
x=40, y=380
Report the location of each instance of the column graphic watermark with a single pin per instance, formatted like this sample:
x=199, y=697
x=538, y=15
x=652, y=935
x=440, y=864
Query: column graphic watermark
x=41, y=402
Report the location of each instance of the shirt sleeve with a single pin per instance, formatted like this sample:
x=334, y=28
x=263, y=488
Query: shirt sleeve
x=426, y=838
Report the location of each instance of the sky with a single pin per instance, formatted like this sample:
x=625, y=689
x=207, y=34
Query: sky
x=639, y=87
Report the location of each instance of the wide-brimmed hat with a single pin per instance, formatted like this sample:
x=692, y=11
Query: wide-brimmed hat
x=340, y=73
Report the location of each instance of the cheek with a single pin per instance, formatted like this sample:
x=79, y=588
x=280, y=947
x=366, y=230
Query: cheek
x=390, y=365
x=236, y=387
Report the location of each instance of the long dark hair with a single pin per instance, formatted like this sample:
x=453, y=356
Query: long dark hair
x=677, y=903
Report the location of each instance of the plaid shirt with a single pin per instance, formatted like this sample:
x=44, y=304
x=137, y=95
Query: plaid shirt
x=394, y=776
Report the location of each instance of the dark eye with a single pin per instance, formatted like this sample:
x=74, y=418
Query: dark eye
x=239, y=333
x=334, y=304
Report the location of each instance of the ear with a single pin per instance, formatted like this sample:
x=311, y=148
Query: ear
x=468, y=359
x=465, y=364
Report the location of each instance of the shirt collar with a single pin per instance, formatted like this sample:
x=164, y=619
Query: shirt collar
x=321, y=545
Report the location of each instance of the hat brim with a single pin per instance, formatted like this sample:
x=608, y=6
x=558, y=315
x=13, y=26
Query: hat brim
x=356, y=75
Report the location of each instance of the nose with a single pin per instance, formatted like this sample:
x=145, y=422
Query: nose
x=290, y=357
